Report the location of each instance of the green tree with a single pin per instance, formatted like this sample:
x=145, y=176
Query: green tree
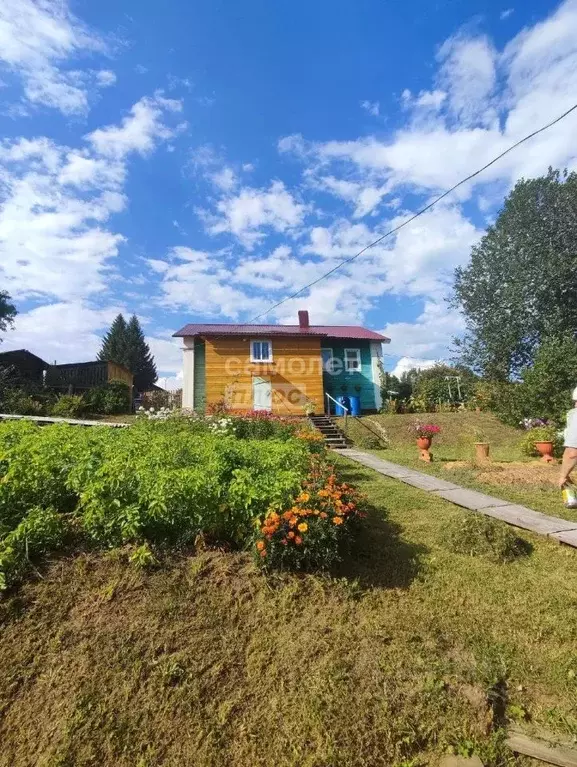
x=114, y=343
x=520, y=285
x=125, y=344
x=445, y=383
x=140, y=361
x=548, y=383
x=7, y=312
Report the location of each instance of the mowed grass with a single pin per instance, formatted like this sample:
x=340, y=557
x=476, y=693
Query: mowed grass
x=407, y=652
x=532, y=484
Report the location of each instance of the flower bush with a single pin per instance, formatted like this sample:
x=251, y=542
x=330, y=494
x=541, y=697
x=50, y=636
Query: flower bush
x=424, y=430
x=541, y=434
x=311, y=532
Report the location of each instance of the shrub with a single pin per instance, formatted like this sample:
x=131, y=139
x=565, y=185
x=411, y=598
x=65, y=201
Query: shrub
x=477, y=535
x=540, y=434
x=20, y=402
x=41, y=531
x=68, y=406
x=110, y=399
x=312, y=531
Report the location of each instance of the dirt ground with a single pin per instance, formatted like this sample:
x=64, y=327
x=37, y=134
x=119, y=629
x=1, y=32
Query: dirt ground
x=533, y=474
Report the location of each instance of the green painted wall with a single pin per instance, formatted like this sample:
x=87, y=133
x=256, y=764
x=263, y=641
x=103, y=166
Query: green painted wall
x=199, y=376
x=364, y=378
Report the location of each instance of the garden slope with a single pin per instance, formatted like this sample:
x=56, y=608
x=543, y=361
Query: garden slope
x=510, y=475
x=205, y=662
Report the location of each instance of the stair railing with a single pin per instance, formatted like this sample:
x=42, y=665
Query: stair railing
x=328, y=396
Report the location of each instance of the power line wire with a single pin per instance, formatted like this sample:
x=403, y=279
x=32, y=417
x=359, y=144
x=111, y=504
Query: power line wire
x=415, y=215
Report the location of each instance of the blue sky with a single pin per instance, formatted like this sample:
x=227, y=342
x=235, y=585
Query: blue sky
x=202, y=160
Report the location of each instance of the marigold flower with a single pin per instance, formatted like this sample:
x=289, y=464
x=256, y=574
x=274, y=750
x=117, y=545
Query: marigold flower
x=263, y=553
x=260, y=545
x=284, y=542
x=291, y=534
x=323, y=515
x=338, y=520
x=303, y=527
x=303, y=498
x=298, y=540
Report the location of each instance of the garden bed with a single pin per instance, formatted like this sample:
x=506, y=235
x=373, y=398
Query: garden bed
x=165, y=483
x=410, y=651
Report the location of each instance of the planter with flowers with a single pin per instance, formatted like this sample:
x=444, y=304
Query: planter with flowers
x=424, y=433
x=541, y=439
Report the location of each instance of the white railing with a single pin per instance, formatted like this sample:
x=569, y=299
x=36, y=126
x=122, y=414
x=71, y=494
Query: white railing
x=339, y=404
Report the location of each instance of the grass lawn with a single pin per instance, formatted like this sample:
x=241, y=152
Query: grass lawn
x=510, y=475
x=406, y=652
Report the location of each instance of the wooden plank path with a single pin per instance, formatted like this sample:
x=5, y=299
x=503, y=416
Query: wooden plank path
x=561, y=530
x=43, y=419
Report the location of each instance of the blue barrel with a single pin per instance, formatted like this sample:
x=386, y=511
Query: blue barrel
x=355, y=408
x=343, y=403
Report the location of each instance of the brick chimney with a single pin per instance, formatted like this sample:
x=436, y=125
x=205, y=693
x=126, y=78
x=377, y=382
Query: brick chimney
x=304, y=320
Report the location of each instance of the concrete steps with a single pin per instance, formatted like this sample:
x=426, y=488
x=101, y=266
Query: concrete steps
x=333, y=436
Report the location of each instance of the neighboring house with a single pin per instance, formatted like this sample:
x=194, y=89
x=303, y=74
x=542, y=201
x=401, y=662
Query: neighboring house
x=79, y=376
x=280, y=368
x=26, y=366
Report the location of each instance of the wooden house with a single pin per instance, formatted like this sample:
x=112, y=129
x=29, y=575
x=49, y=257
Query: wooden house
x=80, y=376
x=281, y=368
x=27, y=367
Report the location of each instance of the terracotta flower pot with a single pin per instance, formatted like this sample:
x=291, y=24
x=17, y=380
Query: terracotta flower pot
x=545, y=450
x=482, y=451
x=424, y=443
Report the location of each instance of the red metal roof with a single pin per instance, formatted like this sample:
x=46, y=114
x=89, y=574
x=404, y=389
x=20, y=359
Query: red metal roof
x=324, y=331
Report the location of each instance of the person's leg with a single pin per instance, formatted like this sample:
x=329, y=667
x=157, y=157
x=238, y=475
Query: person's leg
x=568, y=463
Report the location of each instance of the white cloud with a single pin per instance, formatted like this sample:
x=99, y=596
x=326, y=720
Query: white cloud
x=61, y=332
x=54, y=205
x=200, y=282
x=468, y=75
x=105, y=78
x=225, y=179
x=410, y=363
x=372, y=107
x=506, y=13
x=36, y=39
x=482, y=101
x=140, y=131
x=246, y=214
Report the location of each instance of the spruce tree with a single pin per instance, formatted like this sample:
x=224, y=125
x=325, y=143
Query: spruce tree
x=125, y=344
x=114, y=342
x=139, y=360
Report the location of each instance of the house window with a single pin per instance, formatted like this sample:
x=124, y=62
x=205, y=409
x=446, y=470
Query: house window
x=352, y=360
x=260, y=351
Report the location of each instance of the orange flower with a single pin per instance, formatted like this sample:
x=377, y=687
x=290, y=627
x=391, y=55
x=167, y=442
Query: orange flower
x=323, y=493
x=323, y=515
x=260, y=545
x=291, y=534
x=298, y=540
x=303, y=498
x=303, y=527
x=337, y=520
x=287, y=515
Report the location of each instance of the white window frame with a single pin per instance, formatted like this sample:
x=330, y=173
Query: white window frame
x=330, y=366
x=261, y=341
x=358, y=356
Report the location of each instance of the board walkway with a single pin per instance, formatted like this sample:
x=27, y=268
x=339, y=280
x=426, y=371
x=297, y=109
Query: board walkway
x=561, y=530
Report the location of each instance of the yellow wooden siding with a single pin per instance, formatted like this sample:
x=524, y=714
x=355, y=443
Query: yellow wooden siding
x=119, y=373
x=295, y=373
